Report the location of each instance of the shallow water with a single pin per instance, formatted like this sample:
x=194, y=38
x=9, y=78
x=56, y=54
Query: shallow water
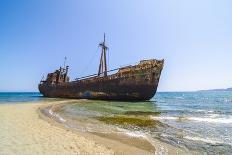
x=200, y=121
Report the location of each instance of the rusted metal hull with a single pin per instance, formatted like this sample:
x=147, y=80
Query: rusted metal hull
x=139, y=85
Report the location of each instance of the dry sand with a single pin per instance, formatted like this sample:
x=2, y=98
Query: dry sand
x=23, y=131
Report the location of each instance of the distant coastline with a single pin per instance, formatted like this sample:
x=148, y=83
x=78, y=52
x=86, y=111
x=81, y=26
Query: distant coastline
x=225, y=89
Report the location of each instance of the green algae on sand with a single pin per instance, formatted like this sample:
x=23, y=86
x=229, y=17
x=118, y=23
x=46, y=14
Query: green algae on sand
x=130, y=121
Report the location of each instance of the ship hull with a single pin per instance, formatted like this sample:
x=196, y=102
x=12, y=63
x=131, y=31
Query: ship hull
x=111, y=90
x=141, y=85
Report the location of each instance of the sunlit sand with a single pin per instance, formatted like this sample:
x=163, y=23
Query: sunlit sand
x=24, y=130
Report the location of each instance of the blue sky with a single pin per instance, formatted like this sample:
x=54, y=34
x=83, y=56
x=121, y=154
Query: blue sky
x=193, y=36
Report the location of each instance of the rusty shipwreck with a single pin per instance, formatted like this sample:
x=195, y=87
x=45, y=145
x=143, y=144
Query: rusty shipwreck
x=134, y=82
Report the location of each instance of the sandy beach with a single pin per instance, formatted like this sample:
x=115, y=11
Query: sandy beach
x=25, y=131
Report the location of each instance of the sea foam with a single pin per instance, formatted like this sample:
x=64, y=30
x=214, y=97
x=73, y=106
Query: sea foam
x=56, y=115
x=129, y=133
x=206, y=140
x=210, y=119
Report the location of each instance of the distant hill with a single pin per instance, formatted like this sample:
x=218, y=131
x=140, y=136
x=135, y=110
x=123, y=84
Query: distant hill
x=227, y=89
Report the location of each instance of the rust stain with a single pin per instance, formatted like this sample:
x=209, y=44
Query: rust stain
x=138, y=82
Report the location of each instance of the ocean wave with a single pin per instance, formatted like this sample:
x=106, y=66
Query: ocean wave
x=57, y=116
x=210, y=119
x=179, y=97
x=206, y=140
x=204, y=111
x=136, y=134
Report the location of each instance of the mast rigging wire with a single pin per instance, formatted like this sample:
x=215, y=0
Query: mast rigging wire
x=90, y=62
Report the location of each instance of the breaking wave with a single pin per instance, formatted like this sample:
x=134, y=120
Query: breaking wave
x=210, y=119
x=206, y=140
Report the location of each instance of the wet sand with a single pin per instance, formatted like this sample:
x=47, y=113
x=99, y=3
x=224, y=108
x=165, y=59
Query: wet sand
x=24, y=130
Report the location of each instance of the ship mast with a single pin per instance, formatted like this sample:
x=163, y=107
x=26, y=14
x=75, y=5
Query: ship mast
x=102, y=71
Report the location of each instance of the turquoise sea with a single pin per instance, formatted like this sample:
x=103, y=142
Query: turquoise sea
x=199, y=121
x=16, y=97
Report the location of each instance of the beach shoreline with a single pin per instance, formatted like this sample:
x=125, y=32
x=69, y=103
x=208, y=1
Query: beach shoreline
x=22, y=131
x=118, y=148
x=25, y=130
